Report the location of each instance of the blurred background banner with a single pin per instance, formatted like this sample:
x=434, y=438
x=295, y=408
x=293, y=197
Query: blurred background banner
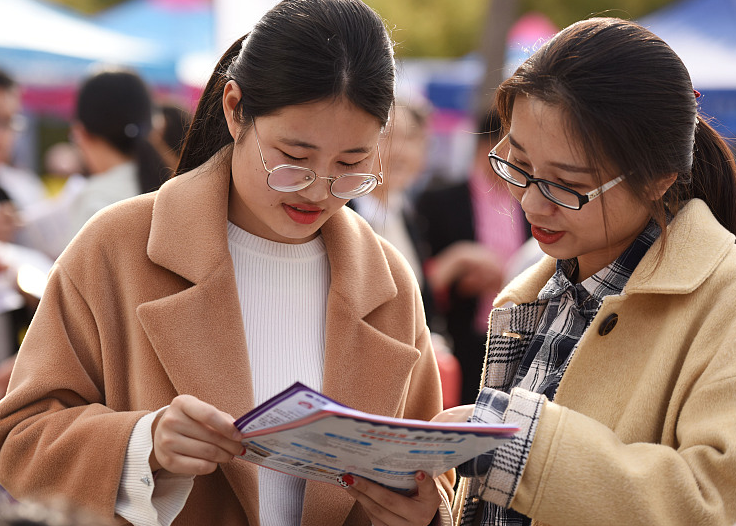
x=48, y=49
x=46, y=45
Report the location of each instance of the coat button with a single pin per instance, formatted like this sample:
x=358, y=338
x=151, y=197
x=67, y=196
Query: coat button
x=608, y=324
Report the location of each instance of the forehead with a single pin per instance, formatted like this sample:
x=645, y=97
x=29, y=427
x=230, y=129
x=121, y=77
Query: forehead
x=333, y=124
x=544, y=130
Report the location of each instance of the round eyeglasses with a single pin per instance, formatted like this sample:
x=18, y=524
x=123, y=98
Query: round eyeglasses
x=557, y=193
x=292, y=178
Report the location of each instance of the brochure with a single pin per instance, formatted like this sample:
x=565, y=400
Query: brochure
x=306, y=434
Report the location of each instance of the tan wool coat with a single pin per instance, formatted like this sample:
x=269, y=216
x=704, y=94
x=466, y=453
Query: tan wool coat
x=143, y=306
x=642, y=430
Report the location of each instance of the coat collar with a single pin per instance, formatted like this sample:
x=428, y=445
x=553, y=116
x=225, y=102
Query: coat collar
x=696, y=244
x=190, y=216
x=199, y=336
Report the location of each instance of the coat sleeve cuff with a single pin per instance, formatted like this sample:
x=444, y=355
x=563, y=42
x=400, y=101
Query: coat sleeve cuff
x=508, y=460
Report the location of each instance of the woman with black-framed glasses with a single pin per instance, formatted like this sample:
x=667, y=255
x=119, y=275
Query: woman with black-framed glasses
x=172, y=313
x=615, y=354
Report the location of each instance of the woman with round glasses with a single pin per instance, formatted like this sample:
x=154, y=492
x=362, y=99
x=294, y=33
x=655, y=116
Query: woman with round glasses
x=172, y=313
x=615, y=354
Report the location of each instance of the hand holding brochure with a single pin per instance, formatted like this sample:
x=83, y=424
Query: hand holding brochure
x=306, y=434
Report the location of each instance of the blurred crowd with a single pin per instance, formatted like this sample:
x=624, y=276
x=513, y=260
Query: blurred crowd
x=122, y=142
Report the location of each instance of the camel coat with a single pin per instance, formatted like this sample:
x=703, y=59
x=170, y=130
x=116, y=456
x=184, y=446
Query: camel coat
x=143, y=306
x=642, y=430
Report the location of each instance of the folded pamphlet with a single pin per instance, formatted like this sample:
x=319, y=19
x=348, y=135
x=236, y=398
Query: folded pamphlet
x=306, y=434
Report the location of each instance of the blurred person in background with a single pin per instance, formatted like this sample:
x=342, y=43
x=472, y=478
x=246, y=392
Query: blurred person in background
x=112, y=121
x=468, y=231
x=60, y=161
x=20, y=190
x=170, y=124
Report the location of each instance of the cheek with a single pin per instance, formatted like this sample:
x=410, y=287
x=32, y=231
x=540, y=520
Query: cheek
x=246, y=173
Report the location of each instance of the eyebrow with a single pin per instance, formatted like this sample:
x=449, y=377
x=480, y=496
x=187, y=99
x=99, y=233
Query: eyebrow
x=301, y=144
x=562, y=166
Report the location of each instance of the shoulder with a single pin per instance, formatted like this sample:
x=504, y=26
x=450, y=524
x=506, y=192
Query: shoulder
x=696, y=252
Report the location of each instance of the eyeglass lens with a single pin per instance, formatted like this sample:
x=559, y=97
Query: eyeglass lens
x=557, y=194
x=348, y=186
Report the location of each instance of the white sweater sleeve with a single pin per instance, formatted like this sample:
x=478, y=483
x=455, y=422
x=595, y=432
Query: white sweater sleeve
x=142, y=500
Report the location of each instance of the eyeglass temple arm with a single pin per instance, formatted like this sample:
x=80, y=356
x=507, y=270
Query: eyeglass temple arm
x=380, y=166
x=610, y=184
x=258, y=142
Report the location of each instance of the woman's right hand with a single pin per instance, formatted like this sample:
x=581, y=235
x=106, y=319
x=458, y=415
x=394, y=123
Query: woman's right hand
x=191, y=437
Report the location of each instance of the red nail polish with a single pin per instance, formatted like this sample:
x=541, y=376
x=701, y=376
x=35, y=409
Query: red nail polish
x=243, y=452
x=420, y=475
x=348, y=479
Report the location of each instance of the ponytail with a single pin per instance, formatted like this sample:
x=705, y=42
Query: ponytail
x=714, y=174
x=208, y=132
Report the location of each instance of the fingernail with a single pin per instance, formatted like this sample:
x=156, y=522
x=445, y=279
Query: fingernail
x=345, y=480
x=243, y=452
x=421, y=475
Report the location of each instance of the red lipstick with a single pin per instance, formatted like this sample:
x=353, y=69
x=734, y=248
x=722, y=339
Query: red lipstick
x=301, y=213
x=545, y=236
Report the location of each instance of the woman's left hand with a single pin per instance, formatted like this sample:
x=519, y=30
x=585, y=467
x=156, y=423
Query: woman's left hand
x=387, y=508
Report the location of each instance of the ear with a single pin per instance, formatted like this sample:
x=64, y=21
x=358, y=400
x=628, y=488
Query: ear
x=660, y=186
x=230, y=97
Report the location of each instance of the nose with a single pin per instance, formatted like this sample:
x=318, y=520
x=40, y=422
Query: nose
x=533, y=201
x=318, y=191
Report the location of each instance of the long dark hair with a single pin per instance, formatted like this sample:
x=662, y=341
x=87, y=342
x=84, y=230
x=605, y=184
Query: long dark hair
x=116, y=106
x=301, y=51
x=629, y=100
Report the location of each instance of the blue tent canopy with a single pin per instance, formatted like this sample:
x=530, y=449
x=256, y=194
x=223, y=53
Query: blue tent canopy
x=45, y=45
x=178, y=28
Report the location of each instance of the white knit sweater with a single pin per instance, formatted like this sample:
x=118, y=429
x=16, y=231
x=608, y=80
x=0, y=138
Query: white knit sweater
x=283, y=296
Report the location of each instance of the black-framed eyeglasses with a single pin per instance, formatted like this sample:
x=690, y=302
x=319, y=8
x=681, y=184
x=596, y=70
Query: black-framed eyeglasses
x=292, y=178
x=555, y=192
